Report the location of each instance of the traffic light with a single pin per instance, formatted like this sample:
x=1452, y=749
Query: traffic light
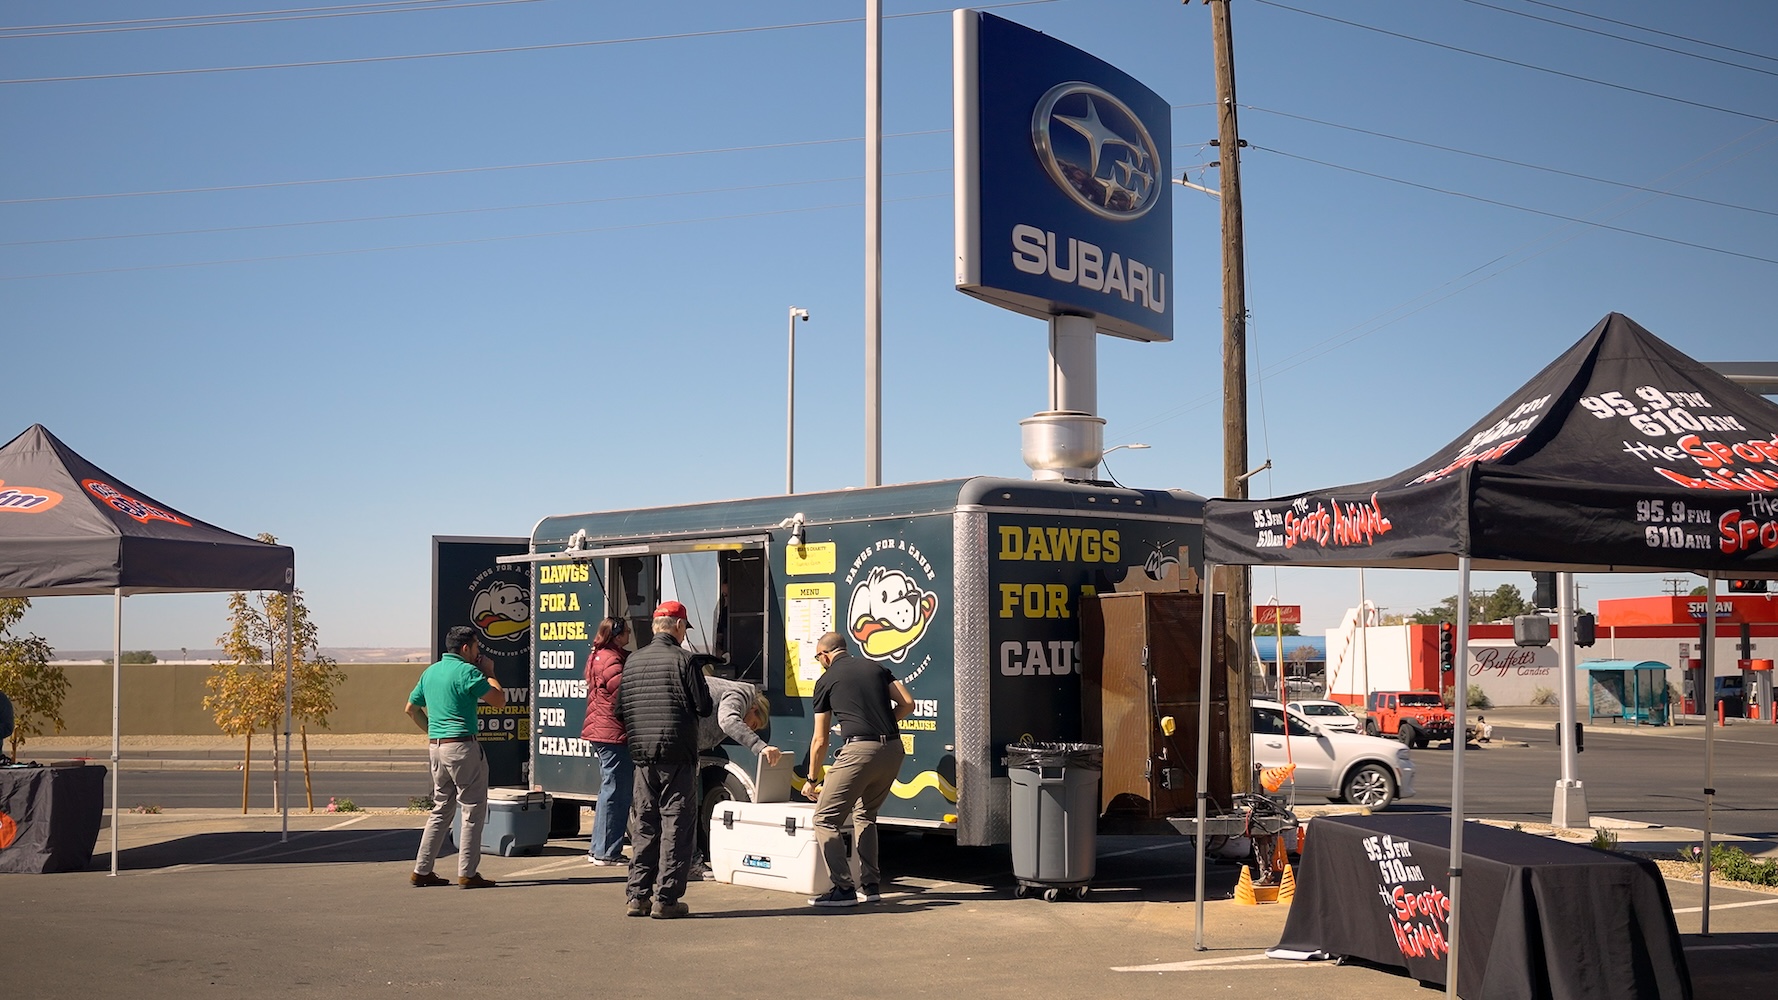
x=1747, y=586
x=1447, y=646
x=1543, y=590
x=1584, y=629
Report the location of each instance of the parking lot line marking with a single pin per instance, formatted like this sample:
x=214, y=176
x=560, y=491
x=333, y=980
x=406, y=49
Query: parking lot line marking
x=551, y=867
x=342, y=826
x=1202, y=963
x=271, y=847
x=1728, y=906
x=1142, y=850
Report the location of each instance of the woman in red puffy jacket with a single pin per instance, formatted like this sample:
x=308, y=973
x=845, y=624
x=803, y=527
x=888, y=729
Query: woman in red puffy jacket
x=610, y=743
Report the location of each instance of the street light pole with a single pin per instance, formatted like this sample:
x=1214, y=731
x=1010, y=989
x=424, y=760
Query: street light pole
x=790, y=406
x=1119, y=447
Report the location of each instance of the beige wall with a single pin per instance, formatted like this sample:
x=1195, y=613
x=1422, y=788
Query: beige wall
x=167, y=699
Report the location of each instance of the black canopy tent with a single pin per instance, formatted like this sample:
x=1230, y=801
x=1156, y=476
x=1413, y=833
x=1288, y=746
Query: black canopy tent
x=1623, y=455
x=69, y=528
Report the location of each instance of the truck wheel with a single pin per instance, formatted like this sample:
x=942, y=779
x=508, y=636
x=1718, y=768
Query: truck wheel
x=1407, y=734
x=1370, y=728
x=718, y=786
x=1370, y=785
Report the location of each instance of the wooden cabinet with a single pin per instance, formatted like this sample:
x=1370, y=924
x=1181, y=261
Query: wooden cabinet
x=1139, y=665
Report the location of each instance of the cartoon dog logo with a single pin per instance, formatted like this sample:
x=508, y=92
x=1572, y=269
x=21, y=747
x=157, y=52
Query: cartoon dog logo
x=888, y=614
x=501, y=609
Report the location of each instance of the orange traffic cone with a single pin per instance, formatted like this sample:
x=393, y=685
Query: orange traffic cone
x=1244, y=889
x=1287, y=887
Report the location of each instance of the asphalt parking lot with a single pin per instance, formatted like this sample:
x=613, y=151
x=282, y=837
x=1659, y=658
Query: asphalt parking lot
x=215, y=904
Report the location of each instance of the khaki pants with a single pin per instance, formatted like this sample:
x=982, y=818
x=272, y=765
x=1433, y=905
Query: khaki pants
x=857, y=784
x=459, y=777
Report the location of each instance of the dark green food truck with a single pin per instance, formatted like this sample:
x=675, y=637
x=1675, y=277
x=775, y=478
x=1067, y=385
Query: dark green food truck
x=969, y=590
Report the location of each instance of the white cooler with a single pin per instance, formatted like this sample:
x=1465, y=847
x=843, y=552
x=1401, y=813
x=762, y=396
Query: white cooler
x=767, y=844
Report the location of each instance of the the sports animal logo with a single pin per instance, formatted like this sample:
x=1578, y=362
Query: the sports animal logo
x=141, y=510
x=501, y=607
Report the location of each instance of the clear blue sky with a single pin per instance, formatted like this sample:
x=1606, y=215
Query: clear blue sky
x=366, y=301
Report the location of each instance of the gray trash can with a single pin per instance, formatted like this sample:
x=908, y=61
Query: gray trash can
x=1055, y=816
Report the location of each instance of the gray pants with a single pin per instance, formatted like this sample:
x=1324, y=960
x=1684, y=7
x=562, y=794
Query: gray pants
x=459, y=776
x=858, y=783
x=665, y=813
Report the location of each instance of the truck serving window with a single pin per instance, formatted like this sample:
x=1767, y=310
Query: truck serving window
x=723, y=586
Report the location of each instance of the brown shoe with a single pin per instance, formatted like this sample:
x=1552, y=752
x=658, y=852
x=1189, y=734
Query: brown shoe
x=417, y=879
x=476, y=882
x=664, y=910
x=637, y=908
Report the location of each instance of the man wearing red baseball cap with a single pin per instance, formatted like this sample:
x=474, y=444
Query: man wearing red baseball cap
x=660, y=702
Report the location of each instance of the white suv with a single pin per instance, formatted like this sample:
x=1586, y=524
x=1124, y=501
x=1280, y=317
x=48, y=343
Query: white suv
x=1363, y=770
x=1329, y=715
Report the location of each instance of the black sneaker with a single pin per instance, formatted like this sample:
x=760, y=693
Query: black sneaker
x=836, y=896
x=872, y=893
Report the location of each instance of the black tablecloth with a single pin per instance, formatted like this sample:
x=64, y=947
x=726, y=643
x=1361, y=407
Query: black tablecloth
x=49, y=817
x=1540, y=917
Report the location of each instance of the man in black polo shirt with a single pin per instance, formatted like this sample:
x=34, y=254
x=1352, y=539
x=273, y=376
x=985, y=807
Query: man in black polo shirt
x=868, y=703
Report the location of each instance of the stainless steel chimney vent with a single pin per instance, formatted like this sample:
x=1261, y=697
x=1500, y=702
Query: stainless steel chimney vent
x=1062, y=444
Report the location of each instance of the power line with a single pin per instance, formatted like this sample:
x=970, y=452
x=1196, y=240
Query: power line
x=1621, y=38
x=257, y=17
x=405, y=216
x=1514, y=163
x=1521, y=208
x=455, y=170
x=504, y=50
x=1514, y=62
x=1652, y=31
x=1439, y=293
x=462, y=242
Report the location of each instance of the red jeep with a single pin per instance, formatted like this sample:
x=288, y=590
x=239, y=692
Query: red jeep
x=1414, y=717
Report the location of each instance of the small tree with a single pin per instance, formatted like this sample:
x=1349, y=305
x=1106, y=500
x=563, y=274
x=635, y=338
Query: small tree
x=248, y=686
x=314, y=678
x=36, y=686
x=246, y=691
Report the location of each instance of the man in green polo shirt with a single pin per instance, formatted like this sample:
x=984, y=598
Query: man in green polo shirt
x=443, y=704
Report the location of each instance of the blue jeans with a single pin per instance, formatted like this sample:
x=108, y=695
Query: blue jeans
x=612, y=813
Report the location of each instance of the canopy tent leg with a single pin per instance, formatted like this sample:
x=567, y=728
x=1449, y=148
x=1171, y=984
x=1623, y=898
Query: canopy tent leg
x=1569, y=811
x=1459, y=729
x=1204, y=661
x=1708, y=697
x=289, y=679
x=116, y=715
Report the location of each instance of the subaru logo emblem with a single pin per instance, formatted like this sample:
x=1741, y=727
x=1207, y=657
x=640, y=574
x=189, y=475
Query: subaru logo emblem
x=1097, y=150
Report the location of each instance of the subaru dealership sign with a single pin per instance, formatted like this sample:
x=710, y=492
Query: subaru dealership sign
x=1064, y=205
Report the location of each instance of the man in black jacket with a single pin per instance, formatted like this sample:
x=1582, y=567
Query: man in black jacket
x=662, y=697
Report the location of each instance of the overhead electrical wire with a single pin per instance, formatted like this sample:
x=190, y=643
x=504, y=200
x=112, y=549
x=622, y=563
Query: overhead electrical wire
x=1520, y=208
x=1515, y=62
x=1652, y=31
x=449, y=171
x=462, y=242
x=1439, y=293
x=503, y=50
x=1621, y=38
x=1514, y=163
x=256, y=17
x=405, y=216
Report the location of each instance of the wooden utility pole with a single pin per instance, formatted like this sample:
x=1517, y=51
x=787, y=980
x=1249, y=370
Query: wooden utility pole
x=1236, y=580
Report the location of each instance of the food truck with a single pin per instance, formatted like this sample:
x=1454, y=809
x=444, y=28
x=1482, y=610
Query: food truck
x=969, y=590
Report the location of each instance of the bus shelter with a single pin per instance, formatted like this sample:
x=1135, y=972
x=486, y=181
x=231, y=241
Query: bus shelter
x=1633, y=690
